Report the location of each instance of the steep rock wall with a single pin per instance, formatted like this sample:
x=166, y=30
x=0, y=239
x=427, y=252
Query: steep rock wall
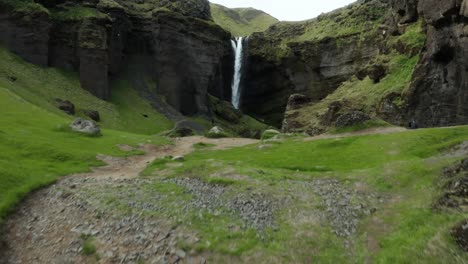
x=183, y=51
x=439, y=91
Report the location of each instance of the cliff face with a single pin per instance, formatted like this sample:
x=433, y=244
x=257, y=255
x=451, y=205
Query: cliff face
x=395, y=60
x=302, y=57
x=439, y=91
x=175, y=44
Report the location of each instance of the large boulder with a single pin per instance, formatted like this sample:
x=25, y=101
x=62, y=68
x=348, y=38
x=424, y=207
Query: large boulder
x=352, y=119
x=85, y=126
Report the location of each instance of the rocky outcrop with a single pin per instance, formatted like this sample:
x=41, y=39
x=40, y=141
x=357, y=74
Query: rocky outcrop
x=439, y=91
x=173, y=43
x=280, y=63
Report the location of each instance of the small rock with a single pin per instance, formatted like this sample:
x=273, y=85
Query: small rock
x=65, y=105
x=178, y=158
x=94, y=115
x=180, y=253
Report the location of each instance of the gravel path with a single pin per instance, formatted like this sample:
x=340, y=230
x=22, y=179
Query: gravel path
x=52, y=224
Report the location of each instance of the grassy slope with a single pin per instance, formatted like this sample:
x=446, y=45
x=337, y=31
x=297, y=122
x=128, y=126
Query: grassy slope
x=241, y=21
x=36, y=146
x=41, y=86
x=404, y=166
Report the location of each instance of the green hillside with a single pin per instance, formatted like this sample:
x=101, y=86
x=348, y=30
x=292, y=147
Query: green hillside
x=241, y=21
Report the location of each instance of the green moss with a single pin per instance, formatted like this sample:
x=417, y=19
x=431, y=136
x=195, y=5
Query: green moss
x=77, y=13
x=25, y=6
x=365, y=94
x=41, y=86
x=34, y=141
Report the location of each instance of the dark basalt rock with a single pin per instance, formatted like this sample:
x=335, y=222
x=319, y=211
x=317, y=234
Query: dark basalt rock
x=94, y=115
x=296, y=101
x=66, y=106
x=439, y=91
x=184, y=53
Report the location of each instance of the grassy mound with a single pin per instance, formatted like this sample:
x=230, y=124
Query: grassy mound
x=241, y=21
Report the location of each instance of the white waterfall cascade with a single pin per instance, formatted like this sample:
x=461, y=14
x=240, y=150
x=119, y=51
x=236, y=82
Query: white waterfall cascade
x=237, y=46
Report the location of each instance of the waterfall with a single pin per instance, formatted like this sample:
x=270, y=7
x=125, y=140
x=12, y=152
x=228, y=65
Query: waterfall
x=237, y=46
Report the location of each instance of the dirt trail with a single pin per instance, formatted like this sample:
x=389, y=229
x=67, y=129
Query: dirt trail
x=130, y=167
x=52, y=224
x=370, y=131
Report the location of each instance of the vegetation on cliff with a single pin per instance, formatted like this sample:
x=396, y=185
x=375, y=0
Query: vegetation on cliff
x=241, y=21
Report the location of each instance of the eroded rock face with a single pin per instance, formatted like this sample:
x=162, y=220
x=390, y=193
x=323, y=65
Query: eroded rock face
x=26, y=34
x=276, y=70
x=174, y=42
x=439, y=91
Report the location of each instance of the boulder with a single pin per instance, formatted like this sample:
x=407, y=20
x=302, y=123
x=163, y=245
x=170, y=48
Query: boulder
x=460, y=234
x=216, y=132
x=185, y=128
x=85, y=126
x=94, y=115
x=269, y=134
x=66, y=106
x=352, y=119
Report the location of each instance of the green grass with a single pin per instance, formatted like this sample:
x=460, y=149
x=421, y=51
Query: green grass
x=36, y=145
x=77, y=13
x=25, y=6
x=89, y=247
x=365, y=94
x=375, y=123
x=241, y=21
x=405, y=165
x=41, y=86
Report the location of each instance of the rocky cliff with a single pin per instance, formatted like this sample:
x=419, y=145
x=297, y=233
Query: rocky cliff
x=396, y=60
x=439, y=90
x=175, y=44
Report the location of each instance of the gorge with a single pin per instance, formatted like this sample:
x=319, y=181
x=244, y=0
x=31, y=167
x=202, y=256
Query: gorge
x=183, y=131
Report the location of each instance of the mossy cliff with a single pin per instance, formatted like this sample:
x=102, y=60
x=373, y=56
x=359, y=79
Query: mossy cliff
x=395, y=60
x=174, y=45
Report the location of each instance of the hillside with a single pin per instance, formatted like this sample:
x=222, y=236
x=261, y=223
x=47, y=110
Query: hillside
x=241, y=21
x=122, y=140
